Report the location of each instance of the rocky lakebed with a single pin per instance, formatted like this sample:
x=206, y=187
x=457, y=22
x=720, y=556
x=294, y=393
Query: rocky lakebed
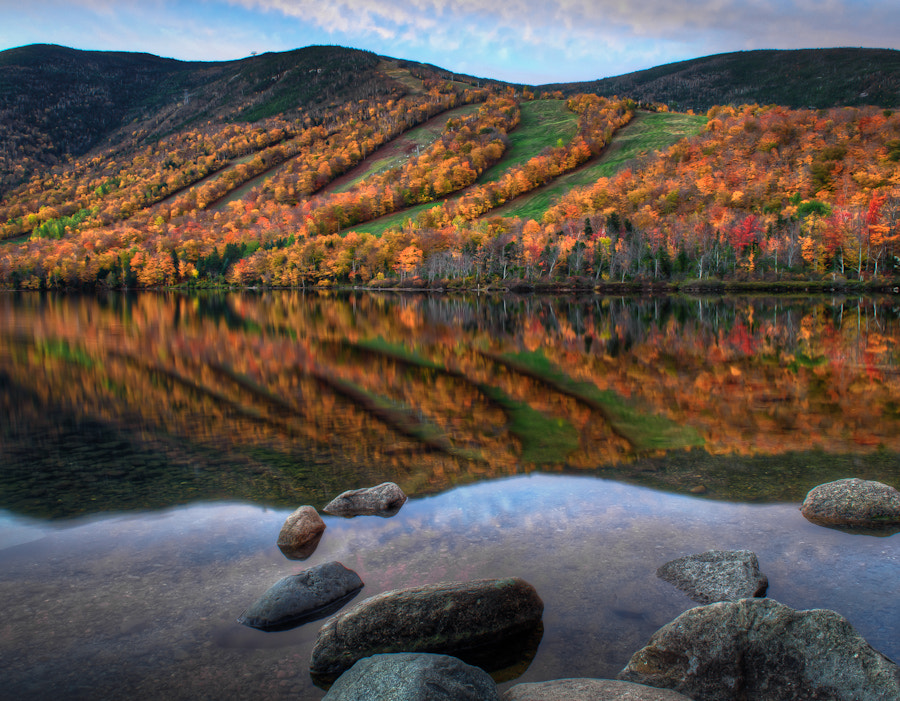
x=459, y=639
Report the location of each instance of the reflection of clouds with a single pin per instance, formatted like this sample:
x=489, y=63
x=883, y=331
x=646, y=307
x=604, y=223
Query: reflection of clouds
x=590, y=547
x=15, y=530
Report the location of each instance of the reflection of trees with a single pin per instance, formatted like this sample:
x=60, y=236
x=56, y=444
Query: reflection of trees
x=308, y=394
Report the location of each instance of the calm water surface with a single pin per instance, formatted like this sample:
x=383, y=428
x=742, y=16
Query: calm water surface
x=155, y=444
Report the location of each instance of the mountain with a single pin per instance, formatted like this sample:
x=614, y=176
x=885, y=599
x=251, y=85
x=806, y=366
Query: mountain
x=57, y=102
x=269, y=171
x=813, y=78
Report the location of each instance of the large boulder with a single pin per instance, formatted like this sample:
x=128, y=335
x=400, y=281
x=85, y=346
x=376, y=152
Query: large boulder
x=716, y=575
x=304, y=597
x=301, y=533
x=761, y=650
x=854, y=505
x=413, y=677
x=455, y=618
x=589, y=690
x=384, y=500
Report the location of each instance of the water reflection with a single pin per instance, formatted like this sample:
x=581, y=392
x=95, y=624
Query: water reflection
x=146, y=605
x=125, y=402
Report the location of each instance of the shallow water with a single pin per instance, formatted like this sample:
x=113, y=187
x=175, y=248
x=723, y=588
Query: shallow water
x=151, y=446
x=145, y=605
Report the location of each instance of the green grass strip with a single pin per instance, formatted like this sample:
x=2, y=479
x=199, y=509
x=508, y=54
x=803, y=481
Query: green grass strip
x=645, y=134
x=543, y=123
x=396, y=352
x=396, y=415
x=61, y=349
x=422, y=137
x=544, y=439
x=645, y=432
x=803, y=360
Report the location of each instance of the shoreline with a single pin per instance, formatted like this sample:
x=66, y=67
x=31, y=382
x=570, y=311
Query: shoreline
x=563, y=286
x=589, y=286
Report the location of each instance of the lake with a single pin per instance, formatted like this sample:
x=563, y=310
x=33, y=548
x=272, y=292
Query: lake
x=153, y=444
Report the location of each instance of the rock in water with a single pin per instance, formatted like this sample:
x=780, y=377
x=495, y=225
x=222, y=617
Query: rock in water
x=444, y=618
x=761, y=650
x=716, y=575
x=854, y=505
x=589, y=690
x=300, y=598
x=413, y=677
x=301, y=533
x=384, y=500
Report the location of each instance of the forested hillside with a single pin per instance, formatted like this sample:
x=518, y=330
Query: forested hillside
x=57, y=102
x=805, y=78
x=245, y=191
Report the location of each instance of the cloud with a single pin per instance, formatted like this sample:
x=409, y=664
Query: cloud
x=761, y=23
x=519, y=40
x=162, y=27
x=531, y=40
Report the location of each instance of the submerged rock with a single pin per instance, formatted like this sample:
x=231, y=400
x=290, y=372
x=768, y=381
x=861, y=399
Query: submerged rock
x=453, y=618
x=301, y=533
x=761, y=650
x=716, y=575
x=854, y=505
x=384, y=500
x=413, y=677
x=589, y=690
x=300, y=598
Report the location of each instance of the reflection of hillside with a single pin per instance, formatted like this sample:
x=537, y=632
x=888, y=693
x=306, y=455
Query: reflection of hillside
x=128, y=402
x=754, y=478
x=69, y=462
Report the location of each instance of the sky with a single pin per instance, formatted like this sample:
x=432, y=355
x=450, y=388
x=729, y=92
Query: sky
x=524, y=41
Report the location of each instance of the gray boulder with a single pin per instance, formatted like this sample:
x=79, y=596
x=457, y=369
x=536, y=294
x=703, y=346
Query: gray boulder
x=413, y=677
x=855, y=505
x=300, y=598
x=761, y=650
x=716, y=575
x=384, y=500
x=449, y=618
x=589, y=690
x=301, y=533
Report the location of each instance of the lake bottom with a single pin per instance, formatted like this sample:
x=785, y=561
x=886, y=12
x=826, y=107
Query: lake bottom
x=146, y=605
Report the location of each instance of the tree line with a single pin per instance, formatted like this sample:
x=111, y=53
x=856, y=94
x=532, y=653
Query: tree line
x=763, y=193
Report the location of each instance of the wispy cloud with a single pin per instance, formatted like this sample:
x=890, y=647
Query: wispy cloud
x=586, y=30
x=523, y=40
x=759, y=21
